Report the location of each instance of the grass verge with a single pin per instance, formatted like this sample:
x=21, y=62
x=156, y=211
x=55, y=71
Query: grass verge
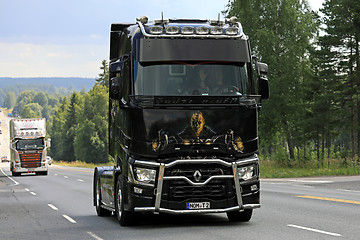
x=81, y=164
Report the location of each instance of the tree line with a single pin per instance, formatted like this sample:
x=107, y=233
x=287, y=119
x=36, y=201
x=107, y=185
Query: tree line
x=313, y=58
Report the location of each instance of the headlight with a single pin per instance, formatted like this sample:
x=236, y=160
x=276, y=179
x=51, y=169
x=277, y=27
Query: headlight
x=145, y=175
x=246, y=173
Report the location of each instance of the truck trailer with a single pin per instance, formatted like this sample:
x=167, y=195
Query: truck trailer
x=184, y=98
x=28, y=146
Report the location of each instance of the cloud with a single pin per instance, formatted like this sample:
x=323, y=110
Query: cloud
x=51, y=60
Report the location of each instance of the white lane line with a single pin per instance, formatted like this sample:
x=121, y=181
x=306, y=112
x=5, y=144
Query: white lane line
x=80, y=180
x=33, y=193
x=16, y=183
x=53, y=207
x=94, y=236
x=315, y=230
x=66, y=177
x=310, y=181
x=26, y=189
x=346, y=190
x=69, y=219
x=55, y=174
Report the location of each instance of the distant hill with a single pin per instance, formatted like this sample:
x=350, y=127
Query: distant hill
x=77, y=83
x=56, y=85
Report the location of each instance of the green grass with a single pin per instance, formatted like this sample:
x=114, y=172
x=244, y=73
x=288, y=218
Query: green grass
x=273, y=170
x=81, y=164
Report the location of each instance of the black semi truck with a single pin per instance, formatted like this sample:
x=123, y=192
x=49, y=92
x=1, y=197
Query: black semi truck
x=184, y=98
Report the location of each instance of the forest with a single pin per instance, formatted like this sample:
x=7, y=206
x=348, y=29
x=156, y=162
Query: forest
x=312, y=116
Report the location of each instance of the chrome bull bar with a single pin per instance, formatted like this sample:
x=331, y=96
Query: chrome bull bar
x=162, y=166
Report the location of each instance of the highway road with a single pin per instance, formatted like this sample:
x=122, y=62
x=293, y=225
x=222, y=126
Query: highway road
x=59, y=206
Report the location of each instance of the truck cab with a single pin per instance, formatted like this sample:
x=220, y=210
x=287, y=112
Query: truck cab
x=28, y=146
x=183, y=120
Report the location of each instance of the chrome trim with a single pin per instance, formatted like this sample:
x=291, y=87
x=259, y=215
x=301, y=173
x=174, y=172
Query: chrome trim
x=252, y=159
x=159, y=188
x=197, y=184
x=166, y=210
x=238, y=188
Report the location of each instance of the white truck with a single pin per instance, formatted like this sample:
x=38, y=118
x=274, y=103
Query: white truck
x=28, y=146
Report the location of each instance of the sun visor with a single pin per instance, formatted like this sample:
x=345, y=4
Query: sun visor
x=224, y=50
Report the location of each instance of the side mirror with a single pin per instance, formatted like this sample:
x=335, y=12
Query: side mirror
x=48, y=143
x=263, y=87
x=13, y=145
x=116, y=67
x=115, y=86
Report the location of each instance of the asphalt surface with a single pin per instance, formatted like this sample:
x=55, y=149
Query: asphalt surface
x=59, y=206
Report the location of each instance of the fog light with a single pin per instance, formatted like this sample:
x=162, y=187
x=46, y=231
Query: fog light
x=246, y=173
x=145, y=175
x=138, y=190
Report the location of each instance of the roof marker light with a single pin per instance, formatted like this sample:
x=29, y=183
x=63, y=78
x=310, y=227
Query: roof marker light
x=202, y=30
x=187, y=30
x=172, y=30
x=216, y=30
x=231, y=31
x=156, y=30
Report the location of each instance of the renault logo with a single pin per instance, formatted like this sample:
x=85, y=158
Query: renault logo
x=197, y=175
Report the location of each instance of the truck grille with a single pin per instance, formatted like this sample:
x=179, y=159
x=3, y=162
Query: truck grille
x=216, y=189
x=30, y=160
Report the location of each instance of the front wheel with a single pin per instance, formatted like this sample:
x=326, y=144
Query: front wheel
x=125, y=218
x=237, y=216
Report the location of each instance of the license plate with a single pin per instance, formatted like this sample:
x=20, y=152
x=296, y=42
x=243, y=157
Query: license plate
x=197, y=205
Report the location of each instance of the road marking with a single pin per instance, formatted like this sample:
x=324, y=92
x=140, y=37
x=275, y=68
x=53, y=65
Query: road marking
x=33, y=193
x=346, y=190
x=69, y=219
x=310, y=181
x=94, y=236
x=53, y=207
x=80, y=180
x=331, y=199
x=315, y=230
x=26, y=189
x=16, y=183
x=55, y=174
x=66, y=177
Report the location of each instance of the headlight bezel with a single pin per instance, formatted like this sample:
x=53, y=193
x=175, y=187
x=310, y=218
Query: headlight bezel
x=144, y=175
x=247, y=173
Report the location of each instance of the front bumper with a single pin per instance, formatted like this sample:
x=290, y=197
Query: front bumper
x=231, y=194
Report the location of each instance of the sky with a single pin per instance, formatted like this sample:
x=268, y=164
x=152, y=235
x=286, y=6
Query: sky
x=70, y=38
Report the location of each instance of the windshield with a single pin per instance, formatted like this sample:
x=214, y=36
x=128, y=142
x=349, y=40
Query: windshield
x=30, y=144
x=182, y=79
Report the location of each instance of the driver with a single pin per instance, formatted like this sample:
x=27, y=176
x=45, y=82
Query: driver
x=218, y=82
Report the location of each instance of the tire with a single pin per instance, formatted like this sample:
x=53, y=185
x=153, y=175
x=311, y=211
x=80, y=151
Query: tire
x=125, y=218
x=97, y=196
x=237, y=216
